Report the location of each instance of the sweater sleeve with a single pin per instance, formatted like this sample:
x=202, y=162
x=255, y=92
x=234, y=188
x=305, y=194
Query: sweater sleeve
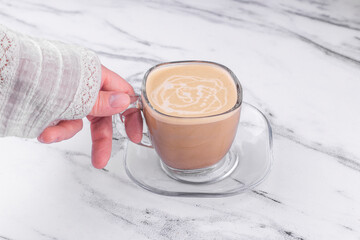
x=42, y=82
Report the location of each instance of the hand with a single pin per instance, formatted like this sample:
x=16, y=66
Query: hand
x=112, y=99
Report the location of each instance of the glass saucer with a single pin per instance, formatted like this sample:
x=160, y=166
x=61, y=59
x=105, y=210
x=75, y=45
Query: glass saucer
x=252, y=146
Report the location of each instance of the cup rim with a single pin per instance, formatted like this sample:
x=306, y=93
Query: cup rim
x=239, y=89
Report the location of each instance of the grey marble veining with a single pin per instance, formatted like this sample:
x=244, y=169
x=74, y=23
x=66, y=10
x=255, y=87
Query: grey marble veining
x=298, y=61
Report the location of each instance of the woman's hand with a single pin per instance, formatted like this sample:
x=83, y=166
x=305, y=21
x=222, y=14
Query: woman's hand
x=112, y=99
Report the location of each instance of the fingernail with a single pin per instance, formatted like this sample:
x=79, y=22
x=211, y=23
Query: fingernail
x=118, y=100
x=40, y=139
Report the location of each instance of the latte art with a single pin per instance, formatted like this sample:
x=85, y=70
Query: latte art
x=190, y=95
x=191, y=90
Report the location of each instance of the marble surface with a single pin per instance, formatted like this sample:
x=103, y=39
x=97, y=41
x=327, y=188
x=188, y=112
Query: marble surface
x=298, y=61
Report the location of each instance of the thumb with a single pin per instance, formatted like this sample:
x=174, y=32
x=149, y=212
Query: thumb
x=109, y=103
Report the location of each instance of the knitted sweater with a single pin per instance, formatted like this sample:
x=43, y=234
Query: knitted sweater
x=42, y=82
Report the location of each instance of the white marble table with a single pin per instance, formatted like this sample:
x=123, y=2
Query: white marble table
x=298, y=61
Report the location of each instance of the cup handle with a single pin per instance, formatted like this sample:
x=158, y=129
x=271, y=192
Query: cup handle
x=136, y=105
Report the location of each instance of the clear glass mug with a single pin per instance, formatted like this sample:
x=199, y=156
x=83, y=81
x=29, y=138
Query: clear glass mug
x=190, y=149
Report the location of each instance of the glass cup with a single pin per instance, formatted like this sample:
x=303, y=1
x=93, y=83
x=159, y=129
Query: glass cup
x=191, y=149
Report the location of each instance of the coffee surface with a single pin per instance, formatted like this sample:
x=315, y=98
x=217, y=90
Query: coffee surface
x=191, y=90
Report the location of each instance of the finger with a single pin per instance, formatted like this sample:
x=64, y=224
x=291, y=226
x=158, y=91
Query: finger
x=113, y=82
x=101, y=134
x=63, y=130
x=133, y=124
x=110, y=103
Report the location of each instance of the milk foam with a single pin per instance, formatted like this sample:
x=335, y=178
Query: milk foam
x=190, y=95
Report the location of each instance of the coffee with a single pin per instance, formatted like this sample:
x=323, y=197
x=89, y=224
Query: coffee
x=194, y=90
x=192, y=112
